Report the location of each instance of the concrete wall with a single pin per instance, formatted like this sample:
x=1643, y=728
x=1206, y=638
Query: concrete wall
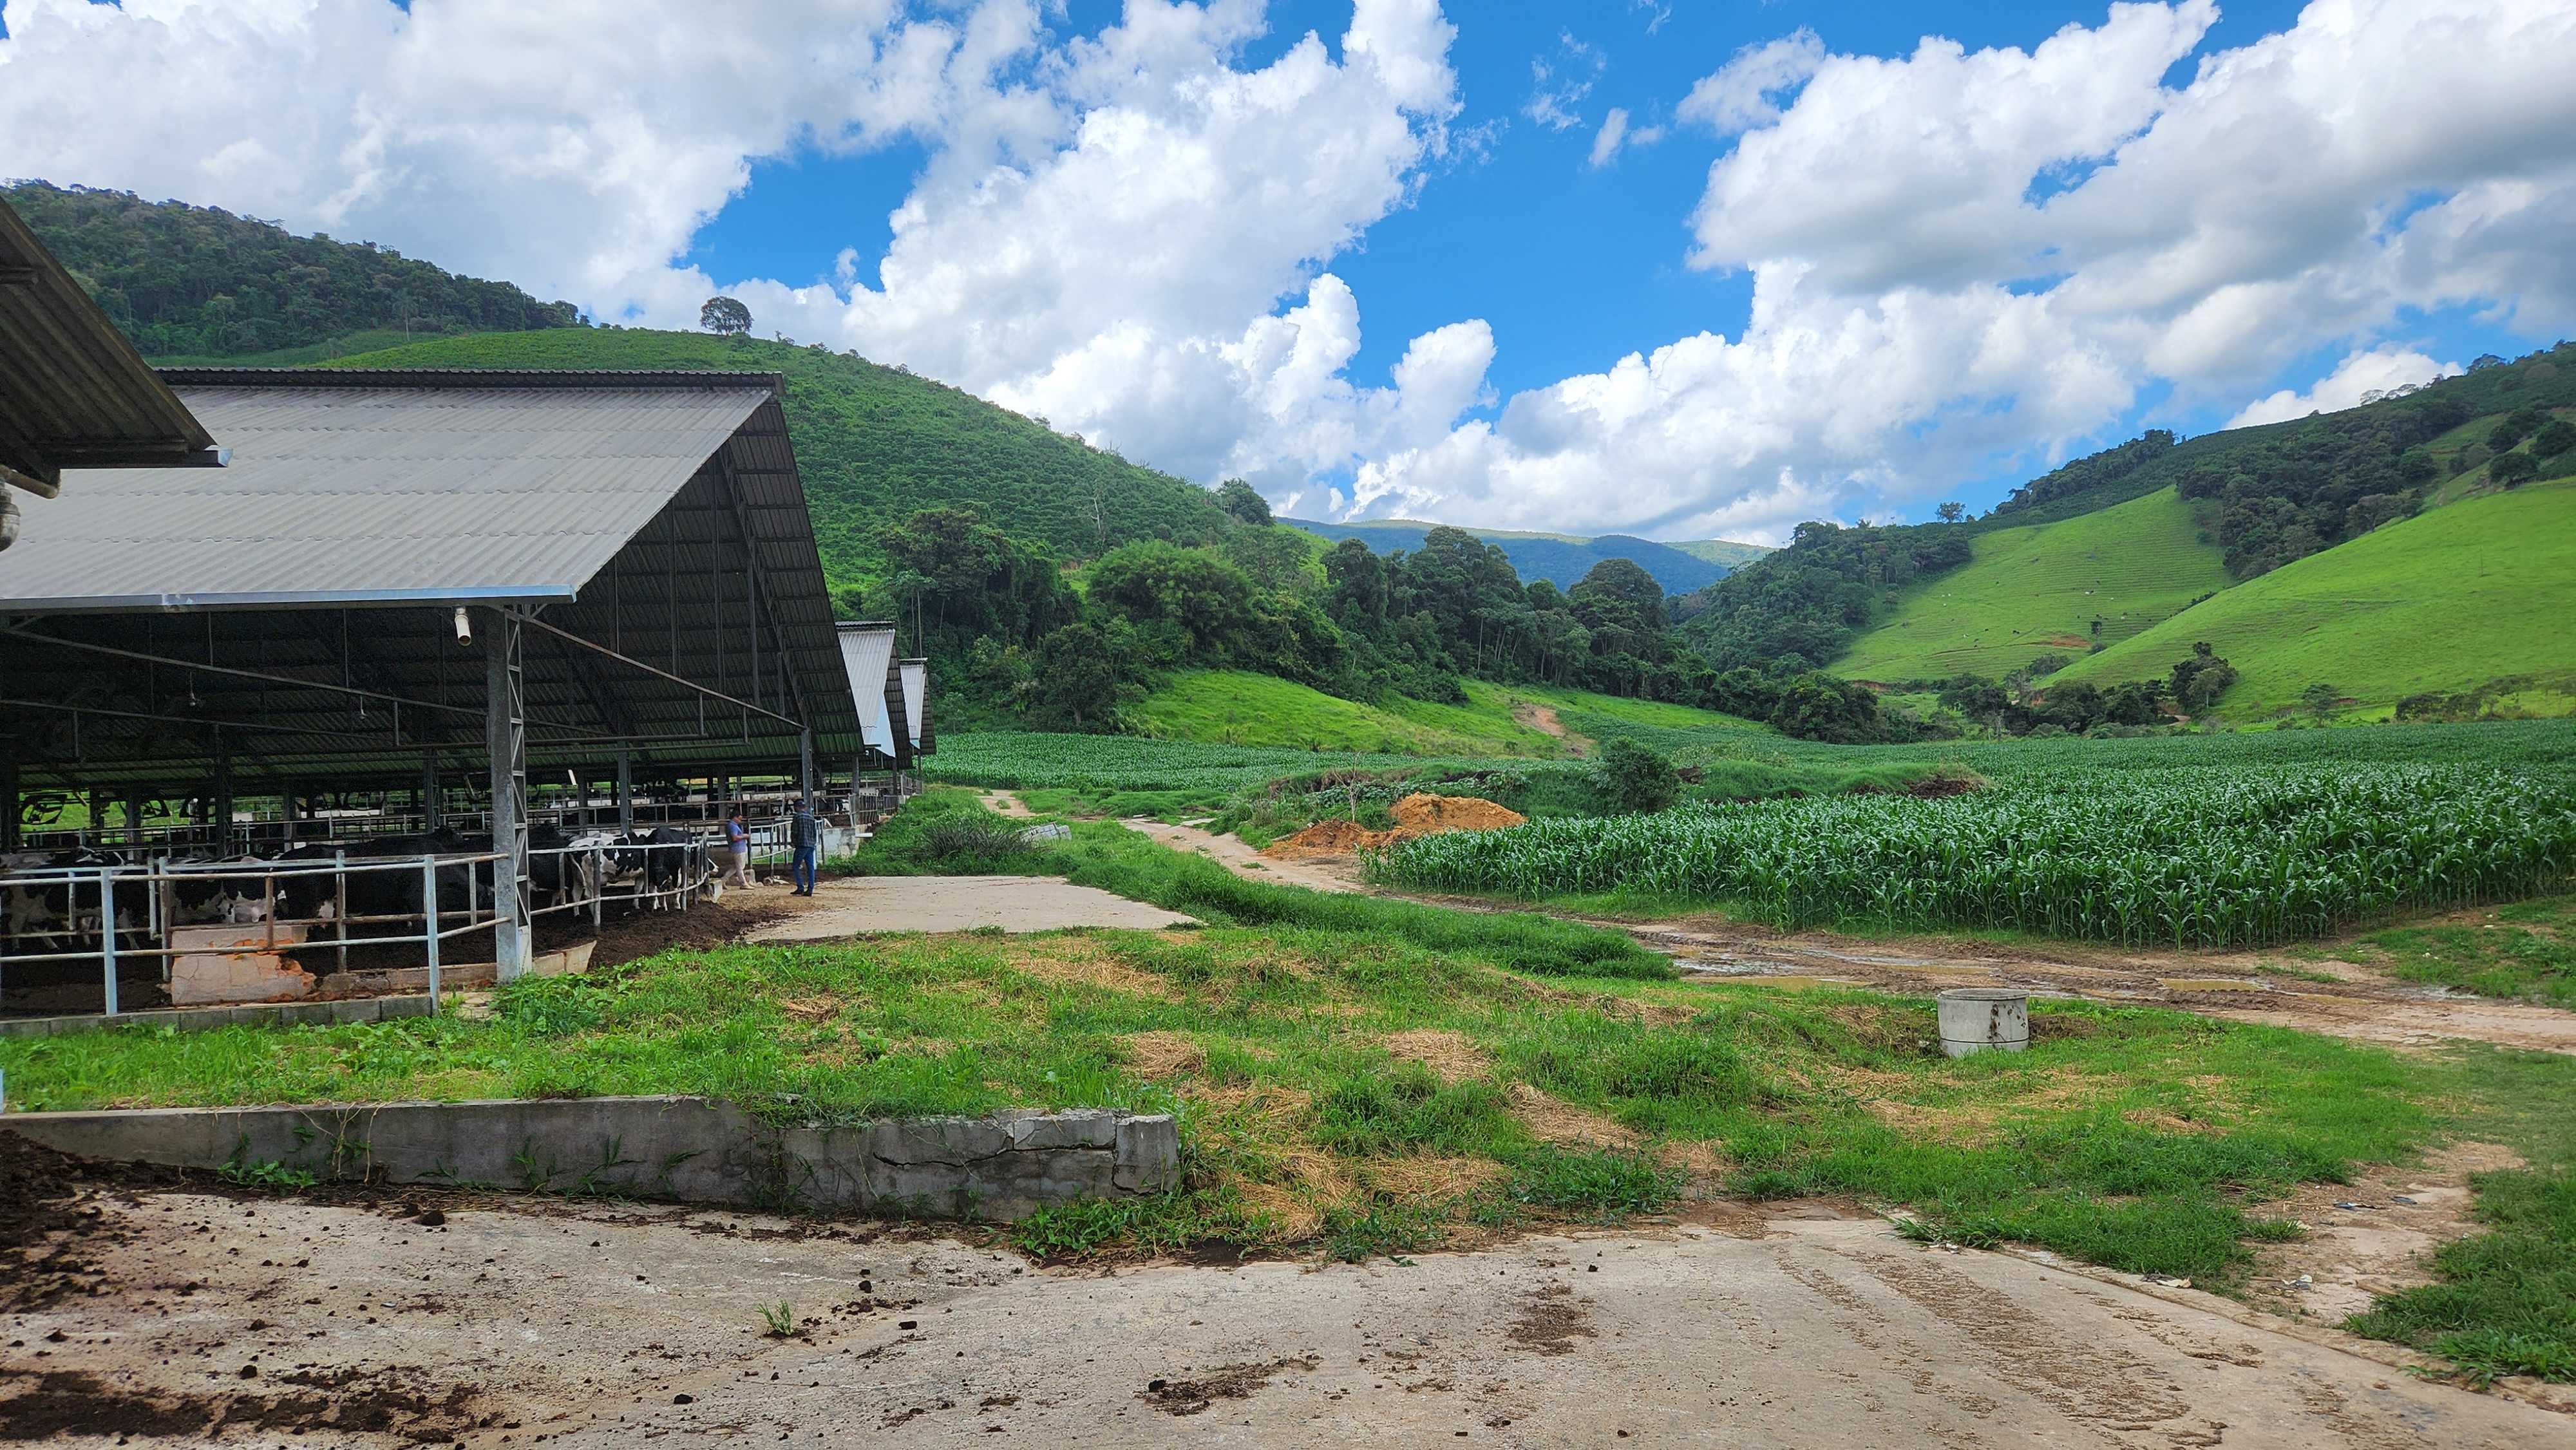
x=693, y=1150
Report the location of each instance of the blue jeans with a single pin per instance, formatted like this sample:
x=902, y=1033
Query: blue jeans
x=805, y=868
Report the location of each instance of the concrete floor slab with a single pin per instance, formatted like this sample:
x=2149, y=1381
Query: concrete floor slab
x=858, y=905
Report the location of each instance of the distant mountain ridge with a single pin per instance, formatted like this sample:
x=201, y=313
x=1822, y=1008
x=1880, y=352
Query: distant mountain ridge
x=1561, y=559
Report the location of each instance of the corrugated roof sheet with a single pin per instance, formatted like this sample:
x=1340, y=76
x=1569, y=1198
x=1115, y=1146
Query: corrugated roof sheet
x=867, y=651
x=916, y=696
x=342, y=491
x=73, y=392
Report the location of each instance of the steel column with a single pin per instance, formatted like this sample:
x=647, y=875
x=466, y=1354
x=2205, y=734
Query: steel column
x=625, y=789
x=223, y=793
x=805, y=766
x=9, y=802
x=431, y=795
x=505, y=741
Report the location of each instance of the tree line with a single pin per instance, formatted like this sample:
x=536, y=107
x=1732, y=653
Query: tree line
x=1019, y=642
x=196, y=281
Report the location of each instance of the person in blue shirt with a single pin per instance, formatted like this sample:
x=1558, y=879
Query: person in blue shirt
x=804, y=835
x=738, y=842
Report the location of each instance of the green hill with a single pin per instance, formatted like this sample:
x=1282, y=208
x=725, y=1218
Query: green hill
x=876, y=443
x=196, y=283
x=2263, y=496
x=1721, y=551
x=1560, y=559
x=2044, y=589
x=1232, y=707
x=2448, y=601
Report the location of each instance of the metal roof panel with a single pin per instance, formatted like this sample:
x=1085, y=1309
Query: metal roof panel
x=404, y=493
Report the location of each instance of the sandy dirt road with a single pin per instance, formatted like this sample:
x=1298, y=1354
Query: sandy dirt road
x=419, y=1319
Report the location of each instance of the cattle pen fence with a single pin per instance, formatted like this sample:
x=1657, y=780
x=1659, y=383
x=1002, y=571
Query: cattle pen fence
x=113, y=912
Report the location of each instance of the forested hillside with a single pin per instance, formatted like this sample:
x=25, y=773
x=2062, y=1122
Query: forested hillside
x=1561, y=559
x=194, y=281
x=2258, y=498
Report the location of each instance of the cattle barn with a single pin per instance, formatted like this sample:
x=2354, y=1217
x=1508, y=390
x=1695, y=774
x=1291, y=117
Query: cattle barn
x=420, y=586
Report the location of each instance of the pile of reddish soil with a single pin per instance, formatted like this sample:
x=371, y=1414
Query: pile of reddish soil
x=1415, y=815
x=1423, y=814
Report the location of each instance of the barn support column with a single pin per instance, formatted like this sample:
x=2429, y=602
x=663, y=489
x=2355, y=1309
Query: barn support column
x=8, y=803
x=223, y=793
x=805, y=767
x=430, y=794
x=134, y=814
x=505, y=740
x=625, y=789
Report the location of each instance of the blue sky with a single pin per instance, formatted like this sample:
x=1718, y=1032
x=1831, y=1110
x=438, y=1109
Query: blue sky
x=1610, y=241
x=1387, y=276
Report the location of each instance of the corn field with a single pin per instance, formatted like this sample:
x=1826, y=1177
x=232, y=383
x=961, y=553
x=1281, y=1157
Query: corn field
x=2206, y=857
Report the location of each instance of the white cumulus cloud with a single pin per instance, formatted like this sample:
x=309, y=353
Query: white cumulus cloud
x=2361, y=377
x=1958, y=257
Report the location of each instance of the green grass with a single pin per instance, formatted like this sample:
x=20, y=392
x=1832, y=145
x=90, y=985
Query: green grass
x=2141, y=1139
x=1233, y=707
x=2524, y=950
x=873, y=444
x=1115, y=859
x=2445, y=601
x=2037, y=590
x=2503, y=1301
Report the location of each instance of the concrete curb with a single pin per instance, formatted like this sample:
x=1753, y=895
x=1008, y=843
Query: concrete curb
x=692, y=1150
x=327, y=1012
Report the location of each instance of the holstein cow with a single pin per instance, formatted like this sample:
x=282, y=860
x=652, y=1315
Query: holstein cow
x=59, y=914
x=669, y=861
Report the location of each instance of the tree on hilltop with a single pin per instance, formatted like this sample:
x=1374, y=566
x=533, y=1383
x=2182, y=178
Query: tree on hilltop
x=1243, y=501
x=725, y=317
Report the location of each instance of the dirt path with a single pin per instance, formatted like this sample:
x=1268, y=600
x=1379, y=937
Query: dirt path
x=491, y=1321
x=2358, y=1002
x=1003, y=803
x=1319, y=873
x=855, y=905
x=1542, y=718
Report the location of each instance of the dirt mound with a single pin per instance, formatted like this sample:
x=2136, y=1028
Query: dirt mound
x=1327, y=836
x=1415, y=815
x=1425, y=813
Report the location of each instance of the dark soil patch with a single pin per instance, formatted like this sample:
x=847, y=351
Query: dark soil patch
x=40, y=1404
x=1233, y=1382
x=46, y=1229
x=705, y=924
x=1550, y=1321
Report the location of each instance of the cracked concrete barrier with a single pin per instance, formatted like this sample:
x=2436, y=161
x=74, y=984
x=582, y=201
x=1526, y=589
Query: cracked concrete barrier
x=690, y=1150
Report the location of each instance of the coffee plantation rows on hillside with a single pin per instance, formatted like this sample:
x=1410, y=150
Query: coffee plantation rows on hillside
x=2209, y=857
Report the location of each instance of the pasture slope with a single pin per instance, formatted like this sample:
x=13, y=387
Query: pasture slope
x=2039, y=590
x=2449, y=600
x=1234, y=707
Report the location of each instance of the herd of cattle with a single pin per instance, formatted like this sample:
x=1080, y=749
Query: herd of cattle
x=54, y=907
